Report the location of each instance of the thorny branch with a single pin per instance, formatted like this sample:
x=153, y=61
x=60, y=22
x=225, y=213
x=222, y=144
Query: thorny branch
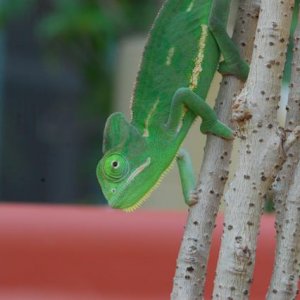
x=286, y=193
x=261, y=152
x=191, y=267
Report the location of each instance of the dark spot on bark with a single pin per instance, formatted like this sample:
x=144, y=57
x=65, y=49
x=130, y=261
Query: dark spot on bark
x=193, y=248
x=238, y=239
x=229, y=227
x=190, y=269
x=263, y=178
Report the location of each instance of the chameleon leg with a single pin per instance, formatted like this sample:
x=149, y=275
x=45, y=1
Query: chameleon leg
x=233, y=63
x=183, y=99
x=187, y=177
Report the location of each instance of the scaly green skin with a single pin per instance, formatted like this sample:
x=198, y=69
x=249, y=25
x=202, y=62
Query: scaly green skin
x=179, y=63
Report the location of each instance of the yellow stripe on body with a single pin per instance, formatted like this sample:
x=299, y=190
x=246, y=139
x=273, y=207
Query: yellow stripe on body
x=199, y=59
x=152, y=111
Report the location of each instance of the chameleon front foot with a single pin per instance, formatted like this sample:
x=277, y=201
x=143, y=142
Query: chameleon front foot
x=187, y=177
x=217, y=129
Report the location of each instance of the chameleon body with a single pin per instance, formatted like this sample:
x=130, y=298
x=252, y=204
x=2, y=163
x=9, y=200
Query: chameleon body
x=179, y=62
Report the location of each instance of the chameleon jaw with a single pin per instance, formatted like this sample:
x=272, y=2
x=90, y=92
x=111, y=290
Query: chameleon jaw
x=140, y=202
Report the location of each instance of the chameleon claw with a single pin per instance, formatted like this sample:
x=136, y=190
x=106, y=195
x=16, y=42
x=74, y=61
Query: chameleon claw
x=194, y=199
x=181, y=154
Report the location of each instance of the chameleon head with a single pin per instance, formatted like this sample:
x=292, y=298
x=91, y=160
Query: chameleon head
x=119, y=181
x=126, y=166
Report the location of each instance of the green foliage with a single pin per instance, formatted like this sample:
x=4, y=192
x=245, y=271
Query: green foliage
x=76, y=18
x=85, y=32
x=81, y=32
x=289, y=56
x=12, y=8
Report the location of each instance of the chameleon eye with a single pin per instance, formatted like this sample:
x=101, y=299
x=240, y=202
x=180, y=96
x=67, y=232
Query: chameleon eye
x=115, y=167
x=115, y=164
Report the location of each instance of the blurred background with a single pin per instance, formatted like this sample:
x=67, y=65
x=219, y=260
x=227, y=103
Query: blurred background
x=65, y=65
x=57, y=71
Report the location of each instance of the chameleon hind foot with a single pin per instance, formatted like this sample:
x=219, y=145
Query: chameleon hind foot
x=233, y=63
x=238, y=69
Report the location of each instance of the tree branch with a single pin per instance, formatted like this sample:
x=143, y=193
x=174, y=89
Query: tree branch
x=193, y=255
x=286, y=191
x=261, y=152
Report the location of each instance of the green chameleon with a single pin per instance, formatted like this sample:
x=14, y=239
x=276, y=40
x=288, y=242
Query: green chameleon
x=179, y=63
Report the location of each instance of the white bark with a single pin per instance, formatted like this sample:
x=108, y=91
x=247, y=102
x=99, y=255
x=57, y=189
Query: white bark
x=285, y=277
x=261, y=152
x=286, y=193
x=191, y=266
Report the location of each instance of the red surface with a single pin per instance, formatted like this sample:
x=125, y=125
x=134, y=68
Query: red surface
x=66, y=252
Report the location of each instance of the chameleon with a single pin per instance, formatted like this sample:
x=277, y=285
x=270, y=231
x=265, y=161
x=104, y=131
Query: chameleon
x=180, y=59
